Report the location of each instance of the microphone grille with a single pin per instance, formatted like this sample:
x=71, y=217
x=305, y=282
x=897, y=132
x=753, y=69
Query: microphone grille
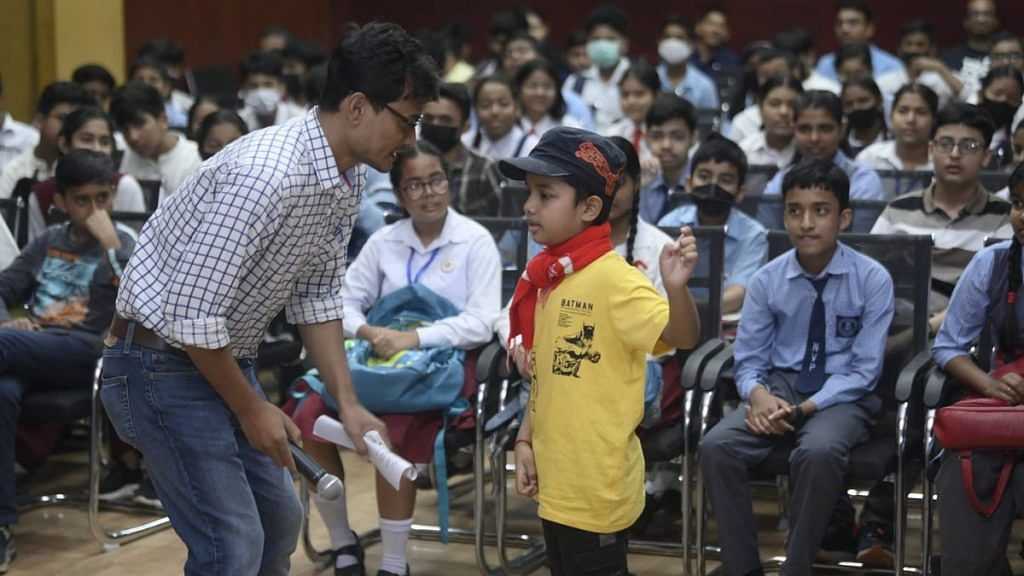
x=329, y=487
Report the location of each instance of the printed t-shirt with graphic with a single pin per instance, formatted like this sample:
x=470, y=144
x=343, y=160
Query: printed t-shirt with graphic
x=592, y=334
x=67, y=285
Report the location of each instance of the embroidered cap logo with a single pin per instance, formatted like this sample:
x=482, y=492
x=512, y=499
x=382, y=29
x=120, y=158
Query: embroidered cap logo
x=589, y=153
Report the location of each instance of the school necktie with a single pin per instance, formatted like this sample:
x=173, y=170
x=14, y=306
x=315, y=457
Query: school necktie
x=637, y=137
x=812, y=373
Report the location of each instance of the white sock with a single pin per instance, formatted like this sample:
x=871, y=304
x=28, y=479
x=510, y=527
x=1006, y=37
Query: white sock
x=394, y=534
x=661, y=480
x=335, y=516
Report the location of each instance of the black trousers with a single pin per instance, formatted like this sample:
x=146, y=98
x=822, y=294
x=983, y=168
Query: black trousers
x=573, y=552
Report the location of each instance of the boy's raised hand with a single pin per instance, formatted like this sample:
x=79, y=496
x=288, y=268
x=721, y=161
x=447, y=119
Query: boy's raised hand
x=101, y=227
x=679, y=260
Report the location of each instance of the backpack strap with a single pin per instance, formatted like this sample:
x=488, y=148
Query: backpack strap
x=967, y=473
x=441, y=467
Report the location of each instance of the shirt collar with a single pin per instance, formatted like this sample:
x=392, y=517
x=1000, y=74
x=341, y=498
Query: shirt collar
x=324, y=165
x=975, y=207
x=839, y=264
x=452, y=233
x=620, y=70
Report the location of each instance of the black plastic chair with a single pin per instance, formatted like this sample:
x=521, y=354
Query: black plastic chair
x=757, y=178
x=993, y=180
x=151, y=193
x=908, y=260
x=67, y=406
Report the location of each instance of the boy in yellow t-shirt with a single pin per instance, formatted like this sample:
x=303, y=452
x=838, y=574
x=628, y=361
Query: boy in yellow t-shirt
x=582, y=322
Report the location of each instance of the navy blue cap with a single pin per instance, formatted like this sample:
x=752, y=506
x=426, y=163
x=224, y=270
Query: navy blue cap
x=586, y=159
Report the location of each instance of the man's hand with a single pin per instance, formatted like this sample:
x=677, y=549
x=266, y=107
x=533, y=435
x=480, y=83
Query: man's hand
x=387, y=342
x=763, y=406
x=679, y=260
x=526, y=470
x=101, y=227
x=268, y=430
x=1009, y=388
x=24, y=324
x=358, y=421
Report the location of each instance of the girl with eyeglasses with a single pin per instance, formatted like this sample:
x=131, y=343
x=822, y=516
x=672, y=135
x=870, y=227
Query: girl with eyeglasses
x=455, y=258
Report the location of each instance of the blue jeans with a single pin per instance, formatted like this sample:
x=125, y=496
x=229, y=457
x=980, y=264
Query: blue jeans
x=46, y=360
x=236, y=510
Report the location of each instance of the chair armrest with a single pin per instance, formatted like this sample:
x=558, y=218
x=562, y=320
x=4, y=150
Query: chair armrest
x=489, y=362
x=697, y=361
x=938, y=387
x=911, y=374
x=715, y=367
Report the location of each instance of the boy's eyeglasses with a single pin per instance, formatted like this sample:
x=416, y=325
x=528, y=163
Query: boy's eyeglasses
x=410, y=123
x=416, y=189
x=968, y=146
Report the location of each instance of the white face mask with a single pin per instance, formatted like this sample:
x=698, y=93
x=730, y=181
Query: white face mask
x=674, y=50
x=263, y=101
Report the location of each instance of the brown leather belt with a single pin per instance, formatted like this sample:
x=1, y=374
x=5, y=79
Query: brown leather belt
x=143, y=337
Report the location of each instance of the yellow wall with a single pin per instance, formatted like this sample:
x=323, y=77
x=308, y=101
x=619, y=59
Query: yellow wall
x=45, y=40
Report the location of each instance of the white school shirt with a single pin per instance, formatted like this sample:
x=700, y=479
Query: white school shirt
x=15, y=138
x=462, y=265
x=515, y=144
x=759, y=153
x=746, y=123
x=626, y=128
x=25, y=165
x=171, y=168
x=882, y=156
x=536, y=131
x=285, y=111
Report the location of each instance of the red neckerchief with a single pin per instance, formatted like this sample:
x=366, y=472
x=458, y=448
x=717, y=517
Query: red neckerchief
x=546, y=270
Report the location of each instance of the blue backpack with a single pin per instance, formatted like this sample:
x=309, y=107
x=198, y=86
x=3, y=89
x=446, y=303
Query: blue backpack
x=420, y=380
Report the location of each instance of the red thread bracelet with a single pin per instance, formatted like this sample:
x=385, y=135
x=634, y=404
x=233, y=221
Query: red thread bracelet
x=523, y=441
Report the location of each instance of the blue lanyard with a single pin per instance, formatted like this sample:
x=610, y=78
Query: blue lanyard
x=408, y=266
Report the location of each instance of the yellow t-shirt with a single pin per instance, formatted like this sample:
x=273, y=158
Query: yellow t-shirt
x=591, y=336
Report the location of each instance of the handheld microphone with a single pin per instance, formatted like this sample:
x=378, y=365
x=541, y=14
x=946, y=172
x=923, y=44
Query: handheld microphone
x=327, y=485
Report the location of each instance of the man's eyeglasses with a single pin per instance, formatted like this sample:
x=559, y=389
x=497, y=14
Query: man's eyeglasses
x=410, y=123
x=967, y=147
x=416, y=189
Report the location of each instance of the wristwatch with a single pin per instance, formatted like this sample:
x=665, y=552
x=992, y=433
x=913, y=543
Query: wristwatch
x=798, y=415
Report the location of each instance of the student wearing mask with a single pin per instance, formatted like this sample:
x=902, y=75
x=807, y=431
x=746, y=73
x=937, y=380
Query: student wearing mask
x=263, y=91
x=864, y=110
x=1000, y=96
x=678, y=77
x=607, y=46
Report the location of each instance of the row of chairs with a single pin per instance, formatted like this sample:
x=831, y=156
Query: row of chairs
x=894, y=446
x=706, y=383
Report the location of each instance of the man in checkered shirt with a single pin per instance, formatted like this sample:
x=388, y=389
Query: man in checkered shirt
x=262, y=225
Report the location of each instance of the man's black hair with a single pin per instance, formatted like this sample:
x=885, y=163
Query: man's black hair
x=859, y=6
x=131, y=103
x=969, y=115
x=266, y=63
x=611, y=16
x=718, y=148
x=458, y=93
x=822, y=174
x=93, y=73
x=82, y=166
x=382, y=61
x=62, y=93
x=668, y=107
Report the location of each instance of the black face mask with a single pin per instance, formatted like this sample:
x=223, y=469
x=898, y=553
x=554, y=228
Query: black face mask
x=863, y=119
x=1001, y=112
x=444, y=137
x=712, y=200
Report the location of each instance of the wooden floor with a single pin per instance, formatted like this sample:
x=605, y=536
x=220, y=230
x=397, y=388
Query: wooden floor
x=56, y=540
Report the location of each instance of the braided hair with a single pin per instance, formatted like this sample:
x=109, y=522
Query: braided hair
x=1009, y=332
x=631, y=169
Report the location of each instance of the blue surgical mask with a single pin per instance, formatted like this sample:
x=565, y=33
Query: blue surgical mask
x=604, y=53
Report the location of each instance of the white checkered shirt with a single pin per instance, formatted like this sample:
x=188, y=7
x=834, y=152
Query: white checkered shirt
x=263, y=224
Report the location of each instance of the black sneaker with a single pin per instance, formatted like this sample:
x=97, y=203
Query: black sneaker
x=354, y=550
x=386, y=573
x=147, y=495
x=874, y=547
x=838, y=545
x=7, y=548
x=119, y=482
